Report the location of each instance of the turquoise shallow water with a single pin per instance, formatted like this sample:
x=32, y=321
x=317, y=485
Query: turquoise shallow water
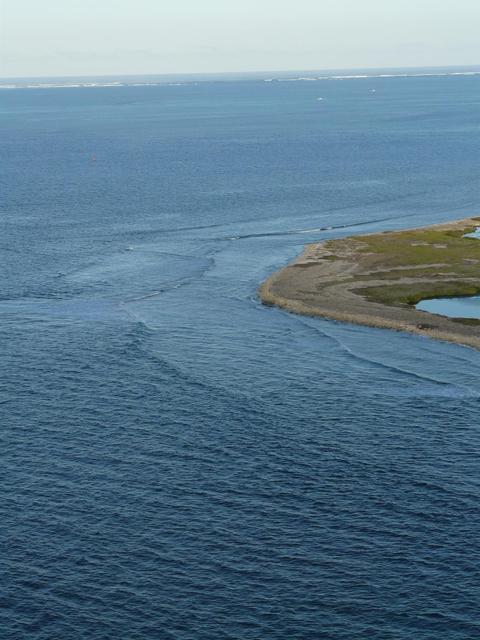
x=178, y=461
x=474, y=234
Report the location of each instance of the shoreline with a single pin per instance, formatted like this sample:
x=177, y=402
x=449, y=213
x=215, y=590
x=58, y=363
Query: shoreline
x=325, y=281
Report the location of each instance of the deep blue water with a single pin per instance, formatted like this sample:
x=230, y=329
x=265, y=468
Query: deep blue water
x=180, y=462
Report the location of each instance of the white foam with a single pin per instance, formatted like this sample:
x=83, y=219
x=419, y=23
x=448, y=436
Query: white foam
x=351, y=77
x=366, y=76
x=76, y=85
x=310, y=79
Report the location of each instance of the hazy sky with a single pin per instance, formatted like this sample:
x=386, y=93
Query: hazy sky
x=81, y=37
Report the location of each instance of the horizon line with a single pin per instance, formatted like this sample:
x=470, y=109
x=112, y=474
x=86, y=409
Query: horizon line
x=237, y=73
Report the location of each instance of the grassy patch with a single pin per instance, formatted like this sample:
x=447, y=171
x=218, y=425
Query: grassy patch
x=411, y=294
x=438, y=262
x=423, y=247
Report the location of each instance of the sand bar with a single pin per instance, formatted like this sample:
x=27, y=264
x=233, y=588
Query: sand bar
x=376, y=280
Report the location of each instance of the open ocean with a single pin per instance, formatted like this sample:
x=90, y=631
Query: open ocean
x=178, y=461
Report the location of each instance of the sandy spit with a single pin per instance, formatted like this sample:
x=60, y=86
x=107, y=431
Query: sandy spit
x=313, y=285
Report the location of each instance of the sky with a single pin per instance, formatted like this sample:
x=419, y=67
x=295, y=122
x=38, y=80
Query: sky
x=106, y=37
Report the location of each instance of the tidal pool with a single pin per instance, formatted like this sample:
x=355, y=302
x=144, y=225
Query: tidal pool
x=462, y=307
x=474, y=234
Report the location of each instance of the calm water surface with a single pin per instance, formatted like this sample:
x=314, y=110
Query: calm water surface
x=461, y=307
x=178, y=461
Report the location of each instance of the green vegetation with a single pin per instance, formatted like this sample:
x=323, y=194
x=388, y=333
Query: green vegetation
x=408, y=266
x=412, y=293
